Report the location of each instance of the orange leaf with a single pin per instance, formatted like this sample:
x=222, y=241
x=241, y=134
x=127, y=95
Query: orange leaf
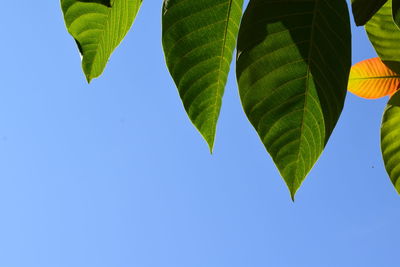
x=371, y=79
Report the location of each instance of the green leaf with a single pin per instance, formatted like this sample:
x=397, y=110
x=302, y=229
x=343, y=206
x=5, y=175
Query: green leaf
x=390, y=139
x=98, y=27
x=199, y=37
x=385, y=36
x=363, y=10
x=293, y=63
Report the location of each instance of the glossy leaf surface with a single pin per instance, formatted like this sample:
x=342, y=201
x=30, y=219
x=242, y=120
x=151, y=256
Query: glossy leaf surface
x=293, y=62
x=363, y=10
x=385, y=36
x=390, y=139
x=98, y=27
x=199, y=37
x=372, y=79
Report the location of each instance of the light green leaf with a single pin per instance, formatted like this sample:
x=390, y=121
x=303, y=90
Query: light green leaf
x=390, y=139
x=363, y=10
x=385, y=36
x=293, y=63
x=98, y=27
x=199, y=37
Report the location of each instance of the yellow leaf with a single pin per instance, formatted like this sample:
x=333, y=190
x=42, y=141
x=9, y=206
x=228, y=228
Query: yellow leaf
x=372, y=79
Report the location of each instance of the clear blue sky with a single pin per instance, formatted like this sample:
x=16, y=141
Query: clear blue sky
x=114, y=174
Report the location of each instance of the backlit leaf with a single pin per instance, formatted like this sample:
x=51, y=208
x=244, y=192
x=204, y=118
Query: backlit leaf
x=293, y=62
x=199, y=37
x=390, y=139
x=385, y=36
x=363, y=10
x=98, y=27
x=372, y=79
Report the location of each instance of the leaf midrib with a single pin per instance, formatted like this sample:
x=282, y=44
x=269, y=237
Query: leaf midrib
x=307, y=81
x=215, y=117
x=102, y=31
x=377, y=77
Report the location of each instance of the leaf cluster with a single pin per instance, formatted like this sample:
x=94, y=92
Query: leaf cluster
x=380, y=76
x=293, y=60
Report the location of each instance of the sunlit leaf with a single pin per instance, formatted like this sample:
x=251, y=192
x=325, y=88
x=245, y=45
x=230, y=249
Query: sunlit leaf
x=199, y=37
x=385, y=36
x=98, y=27
x=372, y=79
x=293, y=62
x=363, y=10
x=390, y=139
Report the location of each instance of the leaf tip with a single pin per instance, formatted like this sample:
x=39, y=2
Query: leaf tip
x=210, y=142
x=292, y=196
x=293, y=187
x=293, y=193
x=208, y=135
x=88, y=79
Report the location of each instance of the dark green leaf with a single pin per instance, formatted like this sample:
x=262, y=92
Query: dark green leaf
x=390, y=139
x=363, y=10
x=396, y=11
x=293, y=62
x=199, y=37
x=98, y=27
